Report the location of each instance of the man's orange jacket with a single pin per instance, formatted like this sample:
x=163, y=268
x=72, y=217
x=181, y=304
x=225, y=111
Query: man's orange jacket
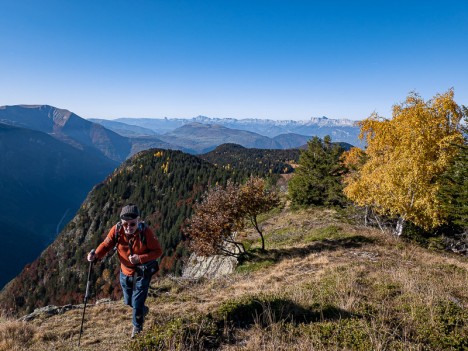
x=146, y=252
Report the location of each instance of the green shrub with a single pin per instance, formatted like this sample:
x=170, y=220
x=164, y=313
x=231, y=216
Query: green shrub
x=266, y=310
x=450, y=328
x=344, y=334
x=201, y=333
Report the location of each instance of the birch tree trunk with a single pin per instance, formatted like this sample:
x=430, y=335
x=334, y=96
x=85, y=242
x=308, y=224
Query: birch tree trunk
x=399, y=226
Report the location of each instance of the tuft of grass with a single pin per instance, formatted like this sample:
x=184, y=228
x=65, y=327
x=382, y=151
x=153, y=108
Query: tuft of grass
x=16, y=335
x=331, y=232
x=283, y=237
x=264, y=309
x=249, y=267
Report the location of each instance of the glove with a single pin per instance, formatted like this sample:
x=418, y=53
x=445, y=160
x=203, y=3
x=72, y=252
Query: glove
x=92, y=256
x=134, y=259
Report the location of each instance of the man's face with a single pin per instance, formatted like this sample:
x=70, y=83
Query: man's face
x=130, y=226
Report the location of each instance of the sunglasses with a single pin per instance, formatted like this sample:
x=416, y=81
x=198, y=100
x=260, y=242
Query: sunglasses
x=129, y=224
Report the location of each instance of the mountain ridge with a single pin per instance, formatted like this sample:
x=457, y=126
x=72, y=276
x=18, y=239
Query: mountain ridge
x=205, y=137
x=67, y=127
x=323, y=121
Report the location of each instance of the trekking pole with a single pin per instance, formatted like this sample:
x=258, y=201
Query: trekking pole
x=85, y=299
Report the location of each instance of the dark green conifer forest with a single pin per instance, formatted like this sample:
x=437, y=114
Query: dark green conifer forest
x=251, y=161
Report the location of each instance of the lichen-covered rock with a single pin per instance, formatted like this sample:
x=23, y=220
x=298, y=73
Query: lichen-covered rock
x=209, y=267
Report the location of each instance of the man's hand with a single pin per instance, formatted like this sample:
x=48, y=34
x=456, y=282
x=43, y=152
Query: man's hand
x=92, y=256
x=134, y=259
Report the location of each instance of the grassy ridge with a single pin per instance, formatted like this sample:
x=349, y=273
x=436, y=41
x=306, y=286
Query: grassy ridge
x=323, y=284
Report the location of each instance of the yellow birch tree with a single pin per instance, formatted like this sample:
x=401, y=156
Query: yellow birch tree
x=404, y=159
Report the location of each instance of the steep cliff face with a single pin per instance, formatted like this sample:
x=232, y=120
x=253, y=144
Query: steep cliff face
x=164, y=183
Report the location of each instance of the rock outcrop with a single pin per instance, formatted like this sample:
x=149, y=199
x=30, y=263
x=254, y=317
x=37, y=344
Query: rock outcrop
x=209, y=267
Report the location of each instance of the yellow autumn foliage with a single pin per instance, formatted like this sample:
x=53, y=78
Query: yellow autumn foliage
x=405, y=156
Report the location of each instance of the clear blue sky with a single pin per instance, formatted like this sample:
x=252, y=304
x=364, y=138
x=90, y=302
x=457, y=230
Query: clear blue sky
x=231, y=58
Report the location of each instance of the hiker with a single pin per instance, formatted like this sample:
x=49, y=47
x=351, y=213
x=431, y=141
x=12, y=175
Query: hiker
x=138, y=248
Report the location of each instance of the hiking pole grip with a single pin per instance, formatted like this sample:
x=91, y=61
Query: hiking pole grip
x=88, y=282
x=86, y=297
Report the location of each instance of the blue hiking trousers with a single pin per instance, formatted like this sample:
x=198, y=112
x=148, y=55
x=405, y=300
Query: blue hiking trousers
x=135, y=297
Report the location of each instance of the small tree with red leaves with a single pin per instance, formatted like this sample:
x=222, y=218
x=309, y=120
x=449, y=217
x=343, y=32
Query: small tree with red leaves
x=225, y=210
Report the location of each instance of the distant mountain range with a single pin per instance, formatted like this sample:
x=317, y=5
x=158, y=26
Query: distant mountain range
x=266, y=127
x=123, y=137
x=200, y=138
x=202, y=134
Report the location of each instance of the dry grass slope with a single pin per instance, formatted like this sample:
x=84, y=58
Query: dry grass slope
x=323, y=284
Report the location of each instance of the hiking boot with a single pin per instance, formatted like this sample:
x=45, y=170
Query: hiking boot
x=135, y=332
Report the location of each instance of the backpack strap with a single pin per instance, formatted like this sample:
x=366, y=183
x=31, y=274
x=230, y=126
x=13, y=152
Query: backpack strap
x=142, y=227
x=118, y=227
x=111, y=253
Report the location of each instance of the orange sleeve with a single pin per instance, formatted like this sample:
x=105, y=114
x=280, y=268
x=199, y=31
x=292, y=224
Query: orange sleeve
x=154, y=247
x=107, y=245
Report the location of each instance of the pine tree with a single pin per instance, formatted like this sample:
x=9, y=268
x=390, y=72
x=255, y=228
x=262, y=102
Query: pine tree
x=317, y=180
x=454, y=190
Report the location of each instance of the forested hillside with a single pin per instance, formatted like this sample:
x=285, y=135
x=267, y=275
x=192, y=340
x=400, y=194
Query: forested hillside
x=258, y=162
x=163, y=183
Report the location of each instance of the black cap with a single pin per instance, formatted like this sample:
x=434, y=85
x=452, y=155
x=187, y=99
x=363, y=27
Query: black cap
x=129, y=212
